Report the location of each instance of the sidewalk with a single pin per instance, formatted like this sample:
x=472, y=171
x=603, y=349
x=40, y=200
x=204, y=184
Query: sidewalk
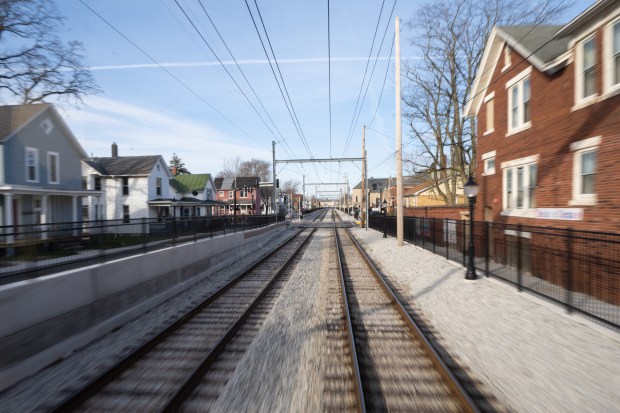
x=531, y=354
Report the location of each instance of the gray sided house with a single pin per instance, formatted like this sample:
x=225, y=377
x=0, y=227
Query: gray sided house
x=40, y=173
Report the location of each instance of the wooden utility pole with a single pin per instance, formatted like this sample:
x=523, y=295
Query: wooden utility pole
x=399, y=144
x=363, y=205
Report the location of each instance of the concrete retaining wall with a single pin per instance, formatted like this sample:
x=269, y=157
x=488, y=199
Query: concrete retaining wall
x=44, y=319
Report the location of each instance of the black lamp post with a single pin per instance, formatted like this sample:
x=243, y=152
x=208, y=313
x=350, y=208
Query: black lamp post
x=384, y=205
x=471, y=190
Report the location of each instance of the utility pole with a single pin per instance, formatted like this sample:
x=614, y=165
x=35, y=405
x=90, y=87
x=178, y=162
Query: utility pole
x=399, y=143
x=363, y=203
x=303, y=188
x=273, y=145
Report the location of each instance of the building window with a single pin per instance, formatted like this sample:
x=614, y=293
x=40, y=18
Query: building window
x=158, y=186
x=37, y=210
x=611, y=62
x=97, y=183
x=32, y=165
x=585, y=71
x=520, y=184
x=519, y=102
x=243, y=193
x=125, y=185
x=221, y=194
x=230, y=195
x=589, y=62
x=53, y=165
x=209, y=194
x=584, y=171
x=84, y=183
x=126, y=214
x=488, y=160
x=507, y=60
x=490, y=113
x=85, y=217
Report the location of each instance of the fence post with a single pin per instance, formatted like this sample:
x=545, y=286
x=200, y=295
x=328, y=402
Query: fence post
x=423, y=233
x=415, y=229
x=144, y=236
x=446, y=237
x=464, y=241
x=434, y=240
x=487, y=253
x=519, y=245
x=569, y=270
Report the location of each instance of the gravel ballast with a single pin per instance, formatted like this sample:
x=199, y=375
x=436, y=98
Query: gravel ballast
x=532, y=355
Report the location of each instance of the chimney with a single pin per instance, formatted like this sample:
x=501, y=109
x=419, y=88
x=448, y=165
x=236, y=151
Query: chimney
x=114, y=150
x=173, y=170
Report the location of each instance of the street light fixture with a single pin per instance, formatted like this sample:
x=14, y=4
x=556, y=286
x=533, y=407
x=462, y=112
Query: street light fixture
x=471, y=190
x=384, y=205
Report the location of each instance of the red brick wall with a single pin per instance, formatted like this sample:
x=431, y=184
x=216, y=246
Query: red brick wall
x=450, y=212
x=554, y=127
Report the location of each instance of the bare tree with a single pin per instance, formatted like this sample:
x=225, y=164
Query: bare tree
x=231, y=168
x=289, y=187
x=234, y=167
x=450, y=35
x=256, y=167
x=35, y=65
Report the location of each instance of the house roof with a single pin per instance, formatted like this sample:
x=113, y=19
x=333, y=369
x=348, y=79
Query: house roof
x=383, y=183
x=190, y=182
x=124, y=165
x=15, y=117
x=536, y=43
x=545, y=47
x=239, y=182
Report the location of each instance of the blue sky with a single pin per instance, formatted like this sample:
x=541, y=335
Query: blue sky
x=147, y=112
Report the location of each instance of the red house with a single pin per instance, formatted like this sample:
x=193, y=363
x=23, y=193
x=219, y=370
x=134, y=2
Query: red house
x=241, y=192
x=547, y=102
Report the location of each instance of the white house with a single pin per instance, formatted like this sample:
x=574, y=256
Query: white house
x=127, y=185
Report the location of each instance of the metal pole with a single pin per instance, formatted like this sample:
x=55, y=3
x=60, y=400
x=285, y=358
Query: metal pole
x=363, y=203
x=385, y=222
x=273, y=204
x=399, y=143
x=471, y=268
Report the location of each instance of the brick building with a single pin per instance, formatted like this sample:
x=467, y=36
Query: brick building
x=547, y=102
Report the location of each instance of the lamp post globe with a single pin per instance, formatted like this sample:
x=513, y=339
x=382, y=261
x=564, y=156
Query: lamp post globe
x=471, y=190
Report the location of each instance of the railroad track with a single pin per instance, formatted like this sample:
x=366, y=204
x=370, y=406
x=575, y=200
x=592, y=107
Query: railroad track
x=191, y=358
x=391, y=365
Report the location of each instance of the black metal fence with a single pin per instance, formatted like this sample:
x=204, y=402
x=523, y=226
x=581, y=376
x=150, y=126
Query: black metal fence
x=34, y=250
x=578, y=269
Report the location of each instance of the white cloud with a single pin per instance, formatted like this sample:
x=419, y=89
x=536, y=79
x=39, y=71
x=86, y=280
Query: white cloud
x=138, y=130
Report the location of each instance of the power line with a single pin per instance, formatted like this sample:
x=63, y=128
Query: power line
x=292, y=112
x=225, y=69
x=185, y=86
x=244, y=76
x=329, y=81
x=358, y=110
x=384, y=81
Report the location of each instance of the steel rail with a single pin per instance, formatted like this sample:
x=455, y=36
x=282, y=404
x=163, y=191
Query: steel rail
x=359, y=394
x=456, y=388
x=76, y=399
x=194, y=378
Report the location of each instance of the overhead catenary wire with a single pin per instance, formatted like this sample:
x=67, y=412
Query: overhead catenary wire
x=225, y=69
x=288, y=102
x=162, y=67
x=245, y=78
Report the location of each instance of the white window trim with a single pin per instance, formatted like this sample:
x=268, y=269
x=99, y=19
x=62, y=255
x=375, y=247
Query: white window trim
x=609, y=89
x=486, y=100
x=582, y=101
x=49, y=167
x=578, y=148
x=485, y=157
x=36, y=163
x=507, y=58
x=522, y=212
x=517, y=81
